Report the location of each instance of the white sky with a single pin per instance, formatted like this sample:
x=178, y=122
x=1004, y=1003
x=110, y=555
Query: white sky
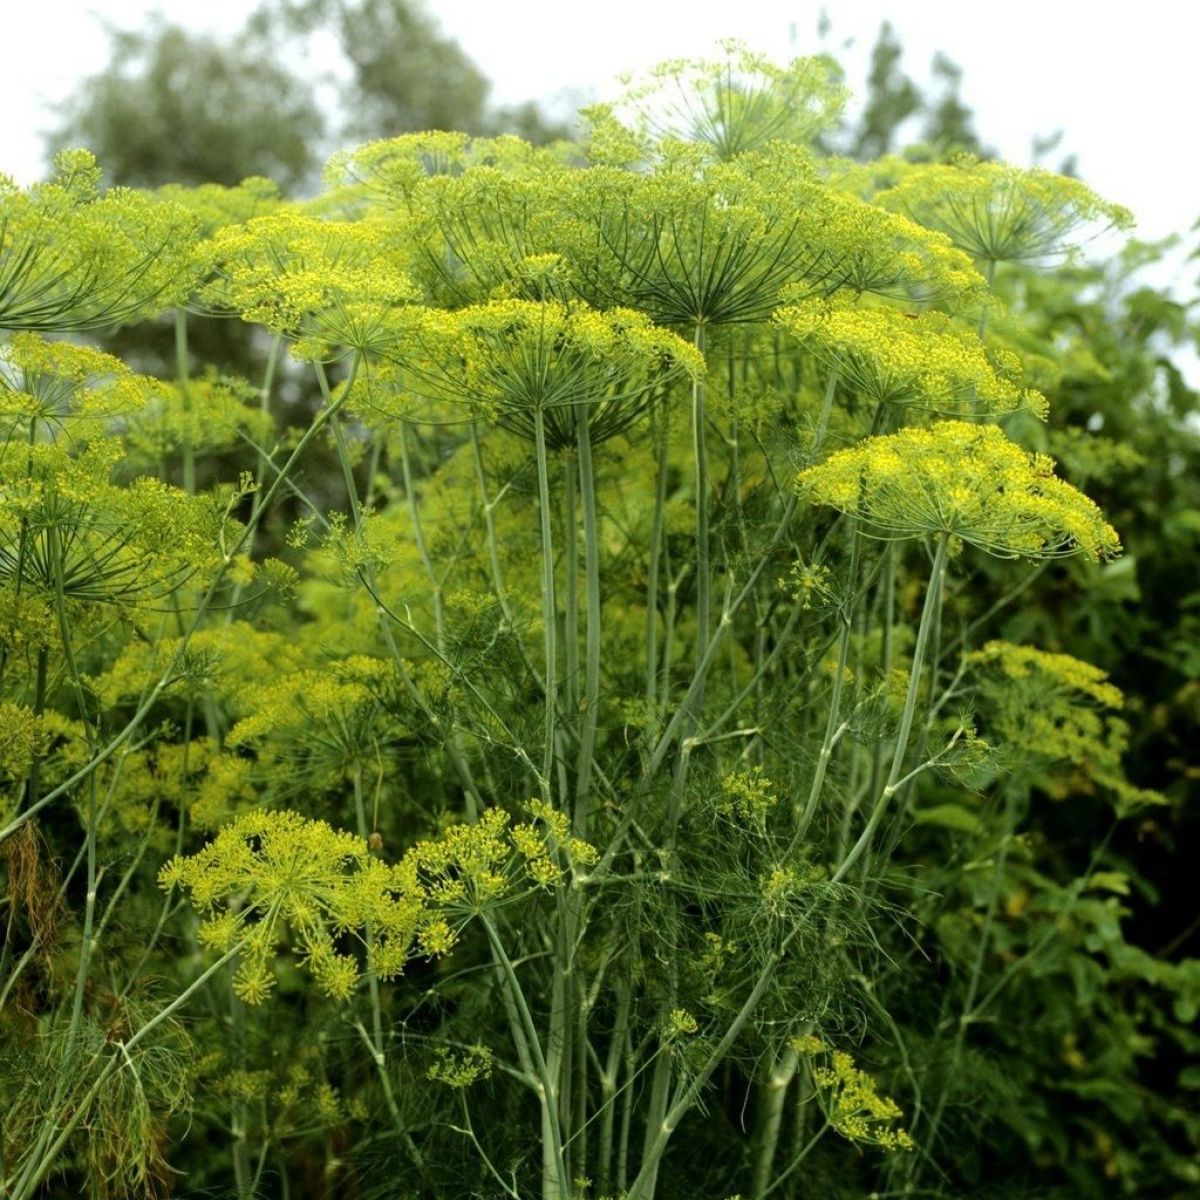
x=1120, y=78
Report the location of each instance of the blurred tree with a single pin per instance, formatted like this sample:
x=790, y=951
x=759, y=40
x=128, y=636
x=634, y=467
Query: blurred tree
x=403, y=74
x=949, y=123
x=178, y=107
x=891, y=98
x=174, y=106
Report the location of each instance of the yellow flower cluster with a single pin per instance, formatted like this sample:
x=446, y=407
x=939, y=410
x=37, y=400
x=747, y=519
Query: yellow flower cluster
x=460, y=1068
x=742, y=101
x=45, y=384
x=1000, y=213
x=287, y=872
x=1051, y=706
x=335, y=708
x=480, y=217
x=291, y=872
x=867, y=249
x=809, y=584
x=681, y=1023
x=851, y=1099
x=396, y=168
x=101, y=542
x=1061, y=670
x=512, y=358
x=748, y=795
x=896, y=357
x=964, y=480
x=327, y=284
x=494, y=232
x=214, y=205
x=72, y=258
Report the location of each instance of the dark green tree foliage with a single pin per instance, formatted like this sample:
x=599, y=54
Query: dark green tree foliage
x=892, y=98
x=179, y=107
x=404, y=73
x=949, y=123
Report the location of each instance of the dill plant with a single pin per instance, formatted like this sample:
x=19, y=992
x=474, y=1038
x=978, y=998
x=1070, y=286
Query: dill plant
x=549, y=804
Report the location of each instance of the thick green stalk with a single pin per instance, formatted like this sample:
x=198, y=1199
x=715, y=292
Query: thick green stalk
x=182, y=377
x=570, y=522
x=591, y=668
x=703, y=581
x=662, y=440
x=772, y=1097
x=906, y=718
x=555, y=1178
x=608, y=1085
x=549, y=604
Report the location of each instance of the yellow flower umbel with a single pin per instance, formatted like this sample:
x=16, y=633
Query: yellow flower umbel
x=1001, y=213
x=72, y=258
x=327, y=284
x=287, y=872
x=513, y=359
x=698, y=244
x=895, y=357
x=741, y=101
x=215, y=206
x=1057, y=709
x=965, y=481
x=851, y=1100
x=475, y=215
x=47, y=388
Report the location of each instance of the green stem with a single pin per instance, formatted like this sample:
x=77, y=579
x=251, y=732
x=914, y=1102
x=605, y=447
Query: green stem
x=910, y=705
x=591, y=682
x=703, y=582
x=182, y=376
x=773, y=1096
x=555, y=1180
x=662, y=439
x=549, y=604
x=822, y=426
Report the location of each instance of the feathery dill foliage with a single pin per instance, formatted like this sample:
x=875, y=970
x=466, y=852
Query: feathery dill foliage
x=274, y=892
